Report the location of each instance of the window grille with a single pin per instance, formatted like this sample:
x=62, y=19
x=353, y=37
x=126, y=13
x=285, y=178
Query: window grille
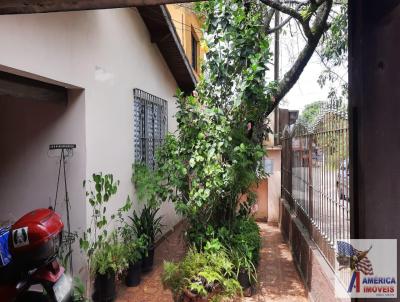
x=150, y=126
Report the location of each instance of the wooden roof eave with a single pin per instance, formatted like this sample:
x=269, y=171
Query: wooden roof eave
x=163, y=33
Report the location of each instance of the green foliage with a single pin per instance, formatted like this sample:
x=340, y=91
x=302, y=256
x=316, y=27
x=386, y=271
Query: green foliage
x=311, y=112
x=148, y=184
x=79, y=294
x=242, y=243
x=147, y=224
x=104, y=188
x=134, y=248
x=237, y=57
x=335, y=44
x=109, y=258
x=243, y=234
x=247, y=239
x=104, y=253
x=202, y=273
x=215, y=157
x=334, y=54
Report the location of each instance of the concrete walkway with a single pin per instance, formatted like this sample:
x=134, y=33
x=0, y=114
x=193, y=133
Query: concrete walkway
x=278, y=278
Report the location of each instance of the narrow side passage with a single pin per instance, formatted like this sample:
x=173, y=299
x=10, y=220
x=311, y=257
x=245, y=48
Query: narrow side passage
x=278, y=277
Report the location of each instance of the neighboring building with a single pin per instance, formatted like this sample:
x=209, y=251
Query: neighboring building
x=188, y=27
x=287, y=118
x=269, y=190
x=100, y=79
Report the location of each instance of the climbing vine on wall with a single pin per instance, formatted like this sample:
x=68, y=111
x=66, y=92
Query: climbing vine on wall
x=216, y=155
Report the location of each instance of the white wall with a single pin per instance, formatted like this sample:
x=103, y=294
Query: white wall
x=274, y=185
x=108, y=53
x=28, y=173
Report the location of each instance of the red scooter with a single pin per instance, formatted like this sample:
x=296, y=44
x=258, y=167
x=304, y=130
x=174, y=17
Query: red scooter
x=34, y=273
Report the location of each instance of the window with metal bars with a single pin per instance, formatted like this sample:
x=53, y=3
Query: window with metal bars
x=195, y=51
x=150, y=126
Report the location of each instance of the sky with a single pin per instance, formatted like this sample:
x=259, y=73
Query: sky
x=307, y=89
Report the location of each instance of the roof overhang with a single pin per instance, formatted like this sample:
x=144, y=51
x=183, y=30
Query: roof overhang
x=47, y=6
x=163, y=33
x=156, y=17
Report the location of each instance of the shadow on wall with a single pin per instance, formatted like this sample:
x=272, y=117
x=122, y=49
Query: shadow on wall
x=28, y=173
x=26, y=127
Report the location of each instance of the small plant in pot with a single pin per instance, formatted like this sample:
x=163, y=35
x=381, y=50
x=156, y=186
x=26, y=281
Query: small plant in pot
x=107, y=261
x=245, y=271
x=134, y=249
x=149, y=225
x=105, y=255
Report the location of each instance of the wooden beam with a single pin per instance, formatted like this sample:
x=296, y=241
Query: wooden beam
x=8, y=7
x=24, y=88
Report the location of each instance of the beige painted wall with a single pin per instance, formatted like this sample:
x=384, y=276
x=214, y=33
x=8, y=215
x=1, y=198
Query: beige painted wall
x=274, y=185
x=261, y=189
x=107, y=53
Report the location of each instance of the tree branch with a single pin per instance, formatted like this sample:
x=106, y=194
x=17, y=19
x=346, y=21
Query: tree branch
x=276, y=28
x=268, y=17
x=329, y=69
x=284, y=9
x=272, y=30
x=291, y=77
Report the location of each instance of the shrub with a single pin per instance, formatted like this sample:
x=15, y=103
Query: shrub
x=207, y=273
x=247, y=238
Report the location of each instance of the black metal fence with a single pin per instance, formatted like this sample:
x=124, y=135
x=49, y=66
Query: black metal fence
x=315, y=177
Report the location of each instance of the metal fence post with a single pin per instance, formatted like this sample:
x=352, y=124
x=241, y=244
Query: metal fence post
x=310, y=176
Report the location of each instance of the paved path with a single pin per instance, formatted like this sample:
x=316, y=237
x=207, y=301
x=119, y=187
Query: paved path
x=277, y=275
x=278, y=278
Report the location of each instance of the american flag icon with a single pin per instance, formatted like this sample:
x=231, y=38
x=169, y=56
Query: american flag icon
x=357, y=260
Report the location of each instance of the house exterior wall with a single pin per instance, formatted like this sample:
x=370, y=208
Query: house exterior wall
x=274, y=184
x=269, y=190
x=107, y=53
x=28, y=173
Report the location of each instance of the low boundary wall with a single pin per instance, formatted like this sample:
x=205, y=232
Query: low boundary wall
x=317, y=274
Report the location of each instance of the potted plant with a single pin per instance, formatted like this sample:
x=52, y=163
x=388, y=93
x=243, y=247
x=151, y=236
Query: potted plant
x=105, y=255
x=147, y=224
x=245, y=271
x=133, y=250
x=106, y=262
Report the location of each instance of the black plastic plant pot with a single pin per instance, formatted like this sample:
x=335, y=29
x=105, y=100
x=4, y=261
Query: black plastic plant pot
x=104, y=288
x=132, y=278
x=147, y=261
x=244, y=280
